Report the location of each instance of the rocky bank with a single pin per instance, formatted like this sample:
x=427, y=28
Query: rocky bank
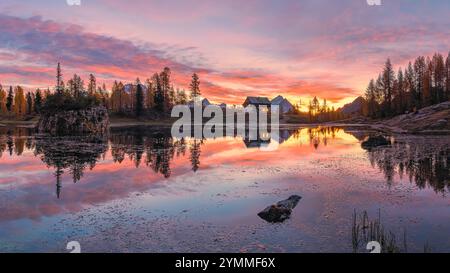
x=92, y=121
x=431, y=119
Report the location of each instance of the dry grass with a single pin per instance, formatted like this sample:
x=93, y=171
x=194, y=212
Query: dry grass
x=365, y=230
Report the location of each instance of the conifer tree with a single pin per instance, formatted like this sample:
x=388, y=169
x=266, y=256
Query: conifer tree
x=29, y=99
x=388, y=86
x=139, y=98
x=419, y=76
x=10, y=100
x=59, y=81
x=166, y=88
x=150, y=96
x=3, y=95
x=181, y=97
x=447, y=78
x=92, y=86
x=76, y=86
x=159, y=94
x=195, y=86
x=38, y=101
x=371, y=99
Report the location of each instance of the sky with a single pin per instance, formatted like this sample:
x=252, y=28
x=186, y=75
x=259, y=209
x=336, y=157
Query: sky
x=295, y=48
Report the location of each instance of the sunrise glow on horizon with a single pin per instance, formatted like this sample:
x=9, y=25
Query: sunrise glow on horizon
x=298, y=49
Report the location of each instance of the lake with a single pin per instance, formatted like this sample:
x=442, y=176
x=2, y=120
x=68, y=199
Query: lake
x=139, y=190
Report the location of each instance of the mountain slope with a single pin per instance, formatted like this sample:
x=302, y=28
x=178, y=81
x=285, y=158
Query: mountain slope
x=353, y=108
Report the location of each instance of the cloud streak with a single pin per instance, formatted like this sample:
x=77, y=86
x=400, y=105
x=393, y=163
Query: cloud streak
x=296, y=48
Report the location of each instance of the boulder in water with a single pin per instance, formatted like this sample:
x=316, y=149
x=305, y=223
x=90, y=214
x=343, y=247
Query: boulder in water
x=280, y=211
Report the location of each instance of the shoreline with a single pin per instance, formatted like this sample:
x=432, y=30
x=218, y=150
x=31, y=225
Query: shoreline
x=380, y=126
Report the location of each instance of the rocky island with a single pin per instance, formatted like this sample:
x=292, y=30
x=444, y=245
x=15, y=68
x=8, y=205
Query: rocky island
x=92, y=121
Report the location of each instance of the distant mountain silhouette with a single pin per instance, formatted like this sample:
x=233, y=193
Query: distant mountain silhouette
x=285, y=105
x=353, y=108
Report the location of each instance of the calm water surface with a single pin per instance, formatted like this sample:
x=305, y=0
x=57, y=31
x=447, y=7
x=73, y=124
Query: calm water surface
x=139, y=190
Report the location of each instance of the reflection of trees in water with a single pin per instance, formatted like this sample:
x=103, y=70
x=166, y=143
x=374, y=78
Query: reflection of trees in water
x=195, y=154
x=15, y=140
x=72, y=154
x=321, y=135
x=159, y=149
x=154, y=148
x=141, y=145
x=75, y=154
x=425, y=161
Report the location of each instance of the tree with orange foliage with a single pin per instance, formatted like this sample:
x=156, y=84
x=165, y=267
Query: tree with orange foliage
x=20, y=105
x=3, y=109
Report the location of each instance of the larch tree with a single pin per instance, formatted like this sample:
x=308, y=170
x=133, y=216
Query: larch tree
x=122, y=96
x=166, y=88
x=159, y=93
x=117, y=97
x=172, y=96
x=388, y=86
x=411, y=87
x=103, y=95
x=370, y=98
x=3, y=95
x=181, y=97
x=419, y=76
x=315, y=106
x=114, y=97
x=324, y=107
x=150, y=96
x=447, y=77
x=195, y=86
x=379, y=90
x=20, y=106
x=438, y=78
x=310, y=111
x=59, y=80
x=76, y=86
x=427, y=84
x=401, y=101
x=92, y=86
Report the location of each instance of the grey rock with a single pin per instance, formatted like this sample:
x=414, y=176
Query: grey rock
x=92, y=121
x=280, y=211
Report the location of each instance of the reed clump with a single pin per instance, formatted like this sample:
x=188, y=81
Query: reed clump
x=365, y=230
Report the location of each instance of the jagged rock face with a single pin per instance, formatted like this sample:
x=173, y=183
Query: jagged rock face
x=94, y=121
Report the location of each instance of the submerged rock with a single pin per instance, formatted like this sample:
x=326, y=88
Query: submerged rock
x=92, y=121
x=280, y=211
x=375, y=141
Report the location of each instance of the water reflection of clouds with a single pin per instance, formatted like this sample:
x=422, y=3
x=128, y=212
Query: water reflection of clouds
x=139, y=159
